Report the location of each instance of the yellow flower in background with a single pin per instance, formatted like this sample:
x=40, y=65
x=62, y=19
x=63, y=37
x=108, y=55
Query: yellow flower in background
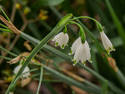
x=9, y=79
x=43, y=15
x=18, y=6
x=26, y=10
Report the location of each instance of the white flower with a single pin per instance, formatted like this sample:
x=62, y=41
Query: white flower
x=75, y=45
x=106, y=42
x=26, y=71
x=61, y=39
x=82, y=53
x=11, y=93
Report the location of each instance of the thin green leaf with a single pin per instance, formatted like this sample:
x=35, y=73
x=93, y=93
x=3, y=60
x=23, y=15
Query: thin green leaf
x=7, y=58
x=4, y=30
x=120, y=28
x=7, y=51
x=4, y=14
x=71, y=81
x=40, y=80
x=2, y=25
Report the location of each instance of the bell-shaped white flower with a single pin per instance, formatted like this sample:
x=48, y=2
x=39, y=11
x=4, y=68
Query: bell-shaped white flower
x=82, y=53
x=61, y=39
x=75, y=45
x=106, y=42
x=25, y=71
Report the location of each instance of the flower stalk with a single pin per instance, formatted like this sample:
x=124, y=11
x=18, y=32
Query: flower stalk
x=55, y=30
x=106, y=42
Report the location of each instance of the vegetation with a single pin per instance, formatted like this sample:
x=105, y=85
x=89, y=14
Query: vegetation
x=62, y=47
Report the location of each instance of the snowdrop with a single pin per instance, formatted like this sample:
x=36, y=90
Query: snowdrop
x=26, y=71
x=82, y=52
x=106, y=42
x=61, y=39
x=75, y=45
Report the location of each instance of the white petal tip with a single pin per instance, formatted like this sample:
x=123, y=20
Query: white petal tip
x=74, y=64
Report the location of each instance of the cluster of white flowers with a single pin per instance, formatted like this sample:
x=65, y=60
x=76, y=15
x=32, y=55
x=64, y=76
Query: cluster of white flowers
x=81, y=51
x=25, y=71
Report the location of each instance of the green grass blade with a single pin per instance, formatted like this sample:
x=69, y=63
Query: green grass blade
x=4, y=30
x=4, y=14
x=2, y=25
x=113, y=87
x=7, y=58
x=121, y=30
x=40, y=80
x=7, y=51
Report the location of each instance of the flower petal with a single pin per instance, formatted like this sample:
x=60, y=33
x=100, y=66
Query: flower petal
x=61, y=39
x=106, y=42
x=16, y=70
x=75, y=45
x=82, y=53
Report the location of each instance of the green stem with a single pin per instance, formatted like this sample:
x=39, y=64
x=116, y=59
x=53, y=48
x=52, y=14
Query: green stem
x=82, y=33
x=99, y=26
x=55, y=30
x=99, y=47
x=7, y=58
x=7, y=51
x=4, y=14
x=40, y=81
x=2, y=25
x=6, y=30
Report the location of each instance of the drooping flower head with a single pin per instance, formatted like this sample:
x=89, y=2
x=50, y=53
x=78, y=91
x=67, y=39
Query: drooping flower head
x=26, y=71
x=61, y=39
x=106, y=42
x=81, y=51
